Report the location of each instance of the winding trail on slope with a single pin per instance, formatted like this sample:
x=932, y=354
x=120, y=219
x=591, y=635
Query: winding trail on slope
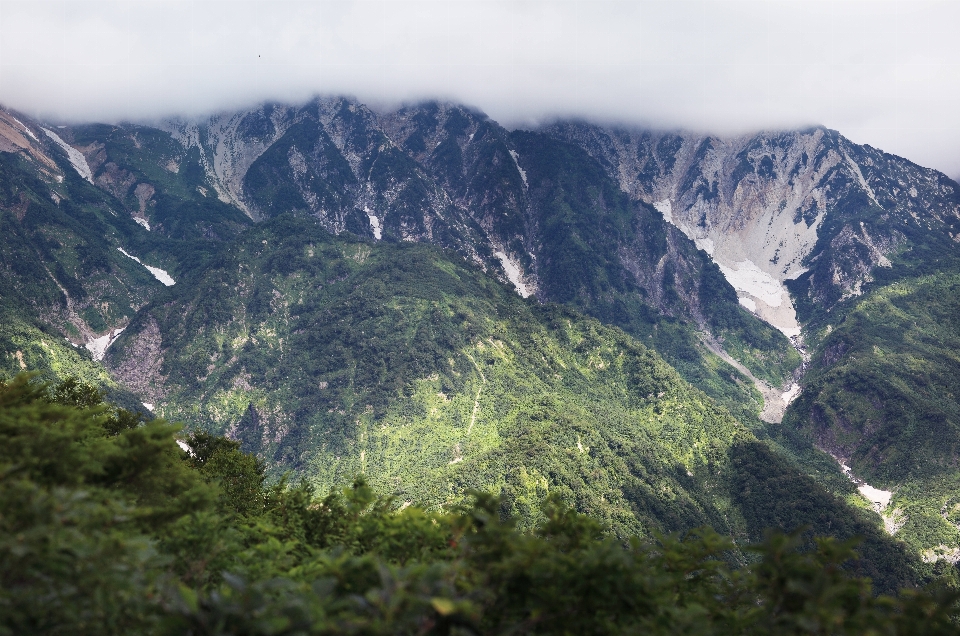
x=476, y=401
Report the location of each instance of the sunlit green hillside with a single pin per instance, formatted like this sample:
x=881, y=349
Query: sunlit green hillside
x=883, y=395
x=334, y=357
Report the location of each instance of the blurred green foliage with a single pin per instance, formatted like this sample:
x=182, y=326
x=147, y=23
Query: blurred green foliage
x=110, y=529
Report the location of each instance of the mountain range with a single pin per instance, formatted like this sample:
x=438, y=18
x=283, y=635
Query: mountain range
x=669, y=329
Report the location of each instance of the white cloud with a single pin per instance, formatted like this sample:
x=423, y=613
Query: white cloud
x=882, y=72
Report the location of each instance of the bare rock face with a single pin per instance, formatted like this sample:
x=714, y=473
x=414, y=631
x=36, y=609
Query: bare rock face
x=18, y=137
x=807, y=206
x=805, y=211
x=138, y=366
x=447, y=175
x=229, y=143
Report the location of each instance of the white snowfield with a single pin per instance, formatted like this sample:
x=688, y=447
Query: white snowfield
x=142, y=222
x=757, y=289
x=748, y=303
x=749, y=279
x=879, y=498
x=77, y=160
x=98, y=346
x=516, y=161
x=512, y=270
x=160, y=274
x=27, y=130
x=374, y=224
x=665, y=208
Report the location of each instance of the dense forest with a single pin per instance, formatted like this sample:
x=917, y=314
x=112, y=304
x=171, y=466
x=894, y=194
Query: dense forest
x=114, y=524
x=321, y=369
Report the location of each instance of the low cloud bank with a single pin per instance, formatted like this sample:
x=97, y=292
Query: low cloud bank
x=883, y=73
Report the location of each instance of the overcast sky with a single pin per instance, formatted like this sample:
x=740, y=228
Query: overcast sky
x=883, y=73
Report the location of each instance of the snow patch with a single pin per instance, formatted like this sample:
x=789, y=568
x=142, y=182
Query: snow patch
x=160, y=274
x=77, y=160
x=523, y=173
x=705, y=244
x=185, y=447
x=513, y=273
x=143, y=222
x=746, y=277
x=665, y=208
x=374, y=223
x=27, y=130
x=148, y=406
x=879, y=498
x=789, y=332
x=98, y=346
x=752, y=284
x=791, y=394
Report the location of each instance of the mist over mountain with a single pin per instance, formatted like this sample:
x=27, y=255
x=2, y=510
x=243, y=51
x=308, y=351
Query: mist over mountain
x=881, y=72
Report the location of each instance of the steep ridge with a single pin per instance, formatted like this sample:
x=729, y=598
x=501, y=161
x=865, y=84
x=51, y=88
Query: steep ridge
x=95, y=207
x=866, y=244
x=537, y=211
x=882, y=399
x=77, y=258
x=517, y=203
x=808, y=210
x=60, y=257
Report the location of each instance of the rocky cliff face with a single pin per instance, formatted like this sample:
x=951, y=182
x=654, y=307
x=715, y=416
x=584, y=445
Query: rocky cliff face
x=449, y=175
x=809, y=207
x=537, y=211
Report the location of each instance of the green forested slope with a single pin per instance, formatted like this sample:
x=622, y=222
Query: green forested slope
x=883, y=395
x=332, y=357
x=63, y=279
x=619, y=260
x=58, y=256
x=336, y=357
x=107, y=527
x=450, y=176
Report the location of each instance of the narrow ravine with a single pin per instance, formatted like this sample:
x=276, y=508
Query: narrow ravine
x=775, y=400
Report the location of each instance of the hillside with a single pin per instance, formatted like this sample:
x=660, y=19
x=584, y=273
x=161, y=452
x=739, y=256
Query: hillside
x=881, y=397
x=334, y=356
x=110, y=526
x=336, y=305
x=533, y=211
x=859, y=249
x=807, y=211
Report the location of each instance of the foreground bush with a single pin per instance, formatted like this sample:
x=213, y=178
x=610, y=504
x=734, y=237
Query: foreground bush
x=108, y=527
